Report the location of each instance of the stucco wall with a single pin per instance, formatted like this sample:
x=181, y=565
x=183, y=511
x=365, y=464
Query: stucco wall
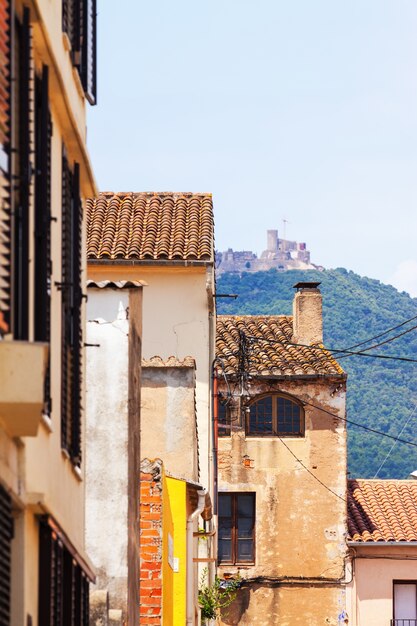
x=370, y=595
x=107, y=436
x=168, y=421
x=300, y=525
x=176, y=322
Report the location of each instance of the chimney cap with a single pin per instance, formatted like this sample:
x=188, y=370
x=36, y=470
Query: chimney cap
x=306, y=285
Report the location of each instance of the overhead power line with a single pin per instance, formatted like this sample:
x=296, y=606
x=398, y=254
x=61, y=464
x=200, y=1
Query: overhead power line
x=368, y=428
x=382, y=343
x=362, y=343
x=395, y=442
x=332, y=350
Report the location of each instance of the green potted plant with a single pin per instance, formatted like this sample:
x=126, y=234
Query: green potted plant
x=217, y=596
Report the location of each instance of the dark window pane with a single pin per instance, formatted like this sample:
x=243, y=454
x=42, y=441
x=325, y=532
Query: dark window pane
x=225, y=528
x=245, y=550
x=245, y=528
x=225, y=550
x=245, y=505
x=260, y=418
x=225, y=505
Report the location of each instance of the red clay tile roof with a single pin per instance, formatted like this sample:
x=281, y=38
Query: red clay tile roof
x=150, y=226
x=270, y=352
x=382, y=510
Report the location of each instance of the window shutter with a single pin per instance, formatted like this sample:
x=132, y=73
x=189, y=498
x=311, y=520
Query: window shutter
x=43, y=263
x=89, y=50
x=77, y=332
x=72, y=334
x=5, y=208
x=22, y=179
x=6, y=535
x=62, y=583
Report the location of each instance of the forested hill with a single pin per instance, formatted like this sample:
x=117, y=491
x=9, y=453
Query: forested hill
x=382, y=394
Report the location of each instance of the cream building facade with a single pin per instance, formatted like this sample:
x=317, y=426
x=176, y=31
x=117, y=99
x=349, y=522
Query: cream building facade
x=165, y=242
x=47, y=74
x=281, y=467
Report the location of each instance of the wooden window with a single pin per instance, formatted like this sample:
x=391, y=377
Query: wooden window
x=236, y=528
x=79, y=21
x=63, y=586
x=42, y=256
x=72, y=334
x=405, y=603
x=6, y=535
x=275, y=415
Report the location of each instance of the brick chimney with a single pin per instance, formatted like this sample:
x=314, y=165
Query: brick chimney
x=307, y=314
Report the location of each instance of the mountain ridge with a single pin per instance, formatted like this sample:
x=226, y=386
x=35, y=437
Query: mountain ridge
x=382, y=393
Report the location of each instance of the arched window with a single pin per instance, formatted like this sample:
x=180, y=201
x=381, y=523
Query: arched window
x=275, y=415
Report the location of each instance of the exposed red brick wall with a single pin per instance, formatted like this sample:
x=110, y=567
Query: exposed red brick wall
x=150, y=505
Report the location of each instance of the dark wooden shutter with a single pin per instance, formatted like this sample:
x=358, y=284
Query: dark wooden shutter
x=89, y=50
x=63, y=586
x=43, y=262
x=21, y=178
x=72, y=335
x=5, y=200
x=66, y=290
x=6, y=535
x=77, y=330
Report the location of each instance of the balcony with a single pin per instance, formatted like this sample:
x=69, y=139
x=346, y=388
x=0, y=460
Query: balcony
x=403, y=622
x=22, y=377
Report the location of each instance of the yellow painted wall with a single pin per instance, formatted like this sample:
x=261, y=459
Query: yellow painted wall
x=174, y=524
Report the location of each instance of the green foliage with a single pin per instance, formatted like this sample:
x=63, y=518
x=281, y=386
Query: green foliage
x=381, y=393
x=213, y=598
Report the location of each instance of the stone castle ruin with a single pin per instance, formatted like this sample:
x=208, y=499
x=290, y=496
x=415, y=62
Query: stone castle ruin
x=281, y=254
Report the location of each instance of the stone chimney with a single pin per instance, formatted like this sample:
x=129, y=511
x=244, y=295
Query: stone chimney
x=307, y=314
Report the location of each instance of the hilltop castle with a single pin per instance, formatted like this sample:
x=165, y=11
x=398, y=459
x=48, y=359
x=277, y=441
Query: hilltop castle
x=280, y=254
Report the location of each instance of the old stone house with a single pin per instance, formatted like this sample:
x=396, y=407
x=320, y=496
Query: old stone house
x=281, y=466
x=165, y=243
x=382, y=516
x=47, y=75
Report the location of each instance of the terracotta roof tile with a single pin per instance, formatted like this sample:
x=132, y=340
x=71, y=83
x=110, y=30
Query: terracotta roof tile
x=153, y=226
x=382, y=510
x=269, y=350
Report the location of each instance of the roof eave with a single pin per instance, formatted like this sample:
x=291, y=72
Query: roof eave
x=153, y=262
x=287, y=376
x=381, y=544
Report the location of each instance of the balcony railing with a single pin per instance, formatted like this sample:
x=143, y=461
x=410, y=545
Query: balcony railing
x=403, y=622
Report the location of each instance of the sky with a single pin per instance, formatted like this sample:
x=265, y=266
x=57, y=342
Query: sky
x=298, y=109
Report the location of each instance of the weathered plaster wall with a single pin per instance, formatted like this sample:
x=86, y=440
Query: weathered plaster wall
x=370, y=595
x=168, y=421
x=176, y=322
x=300, y=525
x=107, y=435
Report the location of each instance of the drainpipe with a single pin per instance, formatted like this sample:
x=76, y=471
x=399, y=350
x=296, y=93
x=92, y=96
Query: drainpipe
x=190, y=556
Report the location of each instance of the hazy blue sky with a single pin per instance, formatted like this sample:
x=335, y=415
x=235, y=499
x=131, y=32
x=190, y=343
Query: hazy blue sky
x=299, y=109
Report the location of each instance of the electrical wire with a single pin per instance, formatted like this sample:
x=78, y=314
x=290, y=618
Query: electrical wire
x=362, y=343
x=371, y=430
x=310, y=472
x=333, y=350
x=382, y=343
x=395, y=442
